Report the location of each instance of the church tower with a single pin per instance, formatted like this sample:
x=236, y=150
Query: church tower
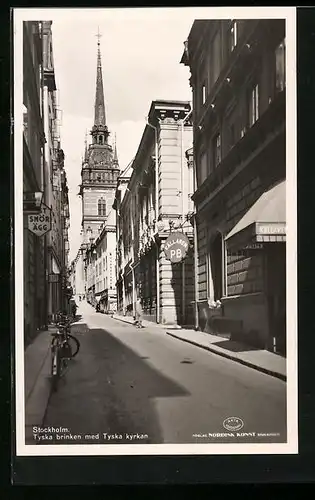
x=100, y=168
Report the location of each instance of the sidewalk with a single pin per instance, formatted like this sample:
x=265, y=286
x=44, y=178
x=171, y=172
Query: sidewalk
x=37, y=370
x=258, y=359
x=37, y=362
x=145, y=323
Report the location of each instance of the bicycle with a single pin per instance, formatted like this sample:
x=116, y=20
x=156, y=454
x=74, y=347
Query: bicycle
x=61, y=350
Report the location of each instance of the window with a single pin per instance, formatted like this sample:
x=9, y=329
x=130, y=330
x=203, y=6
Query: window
x=232, y=128
x=25, y=120
x=101, y=207
x=203, y=168
x=254, y=105
x=216, y=57
x=204, y=94
x=233, y=35
x=280, y=67
x=216, y=150
x=232, y=135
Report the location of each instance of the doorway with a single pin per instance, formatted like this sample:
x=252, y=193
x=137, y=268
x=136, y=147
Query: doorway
x=216, y=266
x=276, y=296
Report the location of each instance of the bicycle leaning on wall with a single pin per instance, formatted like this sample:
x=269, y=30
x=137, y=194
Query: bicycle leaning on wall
x=64, y=347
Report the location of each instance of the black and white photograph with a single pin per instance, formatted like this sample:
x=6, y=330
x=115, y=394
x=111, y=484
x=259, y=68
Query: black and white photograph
x=155, y=231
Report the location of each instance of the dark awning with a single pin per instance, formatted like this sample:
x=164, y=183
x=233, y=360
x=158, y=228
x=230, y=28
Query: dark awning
x=264, y=222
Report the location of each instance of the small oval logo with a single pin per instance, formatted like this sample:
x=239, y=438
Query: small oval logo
x=233, y=424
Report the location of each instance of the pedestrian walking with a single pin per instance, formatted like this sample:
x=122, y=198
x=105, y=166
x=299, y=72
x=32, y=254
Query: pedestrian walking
x=74, y=310
x=139, y=313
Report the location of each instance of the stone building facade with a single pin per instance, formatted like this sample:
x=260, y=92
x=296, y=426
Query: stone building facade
x=77, y=275
x=156, y=202
x=35, y=313
x=56, y=184
x=238, y=84
x=46, y=256
x=122, y=258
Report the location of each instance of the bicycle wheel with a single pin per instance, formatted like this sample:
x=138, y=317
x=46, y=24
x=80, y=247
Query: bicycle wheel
x=55, y=368
x=75, y=345
x=64, y=366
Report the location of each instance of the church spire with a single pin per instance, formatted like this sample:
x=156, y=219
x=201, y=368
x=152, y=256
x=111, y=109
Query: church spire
x=99, y=129
x=115, y=157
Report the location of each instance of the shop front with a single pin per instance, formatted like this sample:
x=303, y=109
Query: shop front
x=261, y=234
x=107, y=302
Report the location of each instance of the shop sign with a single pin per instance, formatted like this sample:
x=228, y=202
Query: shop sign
x=53, y=278
x=40, y=223
x=254, y=246
x=176, y=247
x=271, y=229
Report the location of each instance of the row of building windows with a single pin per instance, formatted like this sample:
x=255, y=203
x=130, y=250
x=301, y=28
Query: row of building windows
x=95, y=176
x=209, y=73
x=222, y=44
x=235, y=127
x=103, y=265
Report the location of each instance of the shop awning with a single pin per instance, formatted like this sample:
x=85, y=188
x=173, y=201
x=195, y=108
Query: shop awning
x=264, y=222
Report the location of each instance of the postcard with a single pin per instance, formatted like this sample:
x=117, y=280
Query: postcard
x=155, y=231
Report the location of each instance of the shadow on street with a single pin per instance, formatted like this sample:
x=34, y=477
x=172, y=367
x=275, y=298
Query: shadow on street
x=234, y=346
x=109, y=389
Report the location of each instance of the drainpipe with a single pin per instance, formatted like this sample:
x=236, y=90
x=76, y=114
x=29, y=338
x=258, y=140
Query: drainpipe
x=131, y=265
x=156, y=220
x=183, y=213
x=195, y=249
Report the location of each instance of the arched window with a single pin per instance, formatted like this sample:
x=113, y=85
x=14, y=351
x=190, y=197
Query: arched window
x=101, y=207
x=100, y=139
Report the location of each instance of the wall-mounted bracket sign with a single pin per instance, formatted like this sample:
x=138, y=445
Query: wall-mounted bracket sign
x=40, y=223
x=176, y=247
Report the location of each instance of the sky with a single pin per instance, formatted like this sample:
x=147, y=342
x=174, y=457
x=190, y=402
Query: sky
x=141, y=55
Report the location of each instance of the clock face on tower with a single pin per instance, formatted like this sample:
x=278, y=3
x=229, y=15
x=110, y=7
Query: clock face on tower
x=101, y=157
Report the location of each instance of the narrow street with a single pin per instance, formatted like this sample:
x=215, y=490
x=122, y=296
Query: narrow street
x=126, y=381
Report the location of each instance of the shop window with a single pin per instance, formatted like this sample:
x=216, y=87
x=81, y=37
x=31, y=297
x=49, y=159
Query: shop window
x=253, y=105
x=280, y=67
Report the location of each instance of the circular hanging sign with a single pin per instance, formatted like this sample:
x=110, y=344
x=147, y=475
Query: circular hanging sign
x=176, y=247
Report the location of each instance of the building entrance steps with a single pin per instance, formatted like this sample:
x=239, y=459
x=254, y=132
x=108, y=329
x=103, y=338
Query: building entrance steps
x=258, y=359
